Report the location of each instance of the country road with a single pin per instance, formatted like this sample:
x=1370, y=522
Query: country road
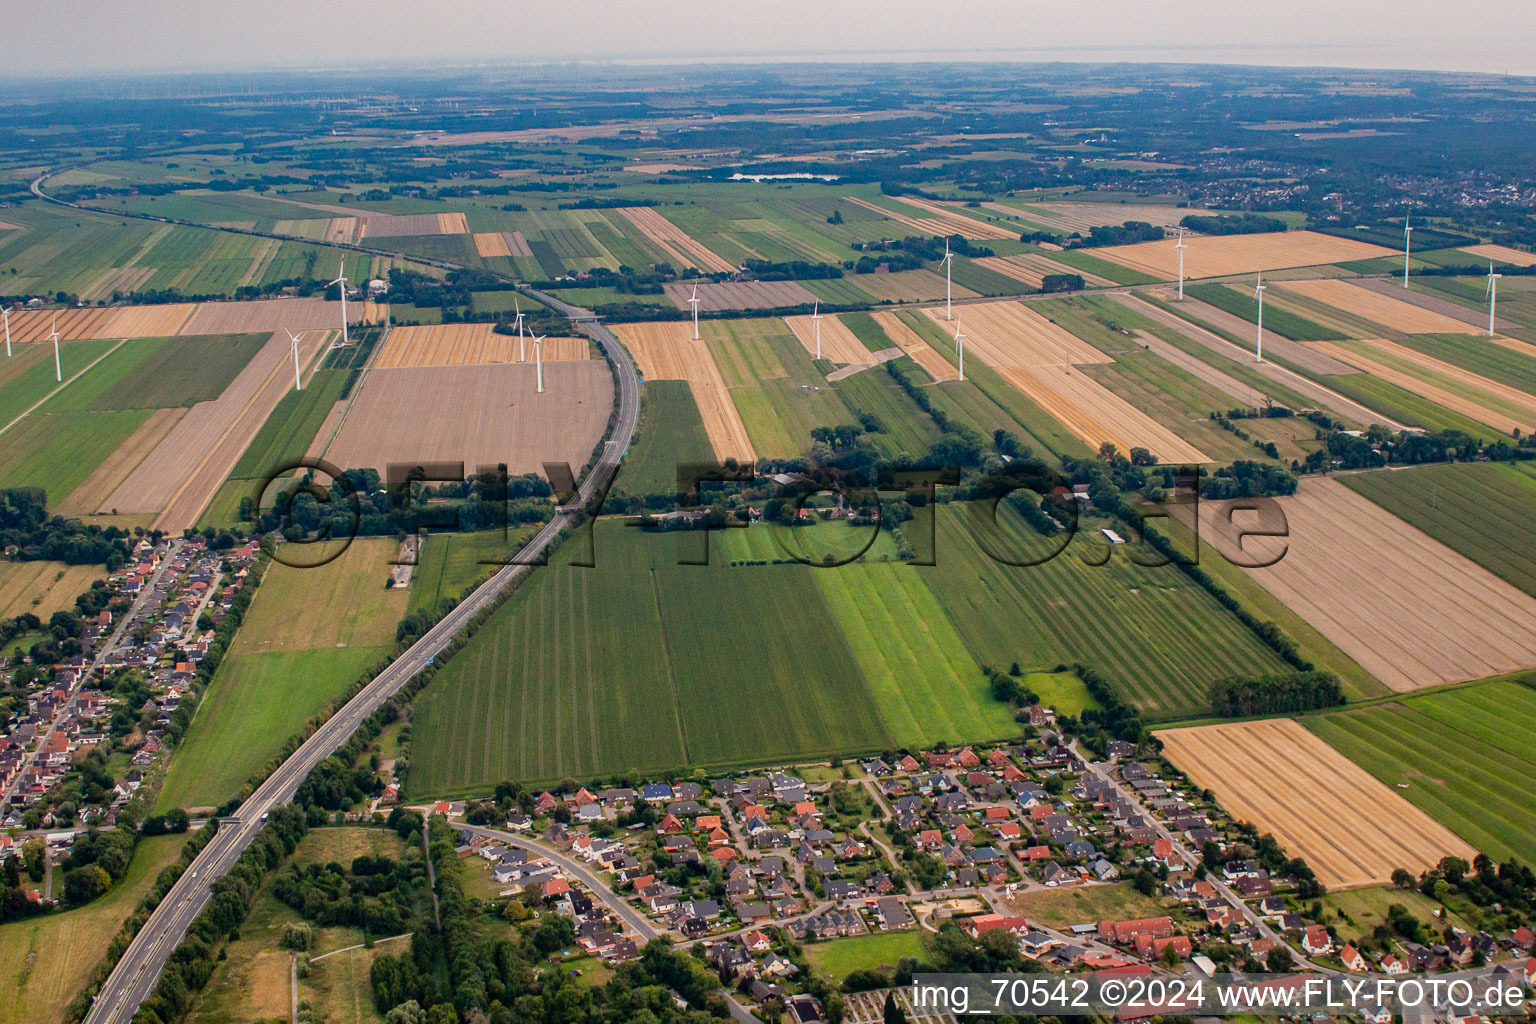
x=135, y=975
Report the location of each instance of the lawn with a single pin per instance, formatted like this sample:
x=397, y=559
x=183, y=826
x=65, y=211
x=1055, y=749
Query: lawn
x=836, y=959
x=1063, y=691
x=1480, y=509
x=450, y=563
x=1151, y=631
x=1240, y=302
x=182, y=371
x=1062, y=908
x=671, y=433
x=1367, y=907
x=288, y=433
x=342, y=603
x=45, y=961
x=254, y=705
x=1457, y=777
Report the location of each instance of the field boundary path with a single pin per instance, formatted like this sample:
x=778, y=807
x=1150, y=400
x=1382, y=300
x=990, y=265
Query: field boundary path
x=135, y=975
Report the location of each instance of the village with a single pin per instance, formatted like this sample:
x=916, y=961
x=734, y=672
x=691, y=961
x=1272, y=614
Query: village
x=755, y=872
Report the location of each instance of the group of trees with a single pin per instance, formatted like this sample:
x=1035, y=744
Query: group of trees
x=1233, y=224
x=1129, y=233
x=377, y=894
x=1247, y=479
x=36, y=536
x=1284, y=694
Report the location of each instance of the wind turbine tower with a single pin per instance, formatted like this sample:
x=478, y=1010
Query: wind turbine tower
x=949, y=259
x=298, y=383
x=1493, y=295
x=1258, y=293
x=521, y=352
x=58, y=370
x=960, y=346
x=5, y=311
x=1181, y=246
x=1407, y=238
x=341, y=279
x=816, y=319
x=694, y=302
x=538, y=359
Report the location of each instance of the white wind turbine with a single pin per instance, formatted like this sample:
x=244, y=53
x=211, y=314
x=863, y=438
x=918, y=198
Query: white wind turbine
x=522, y=356
x=1493, y=295
x=1407, y=238
x=341, y=279
x=1258, y=293
x=960, y=346
x=298, y=383
x=1181, y=246
x=58, y=371
x=538, y=359
x=949, y=259
x=694, y=302
x=6, y=312
x=816, y=319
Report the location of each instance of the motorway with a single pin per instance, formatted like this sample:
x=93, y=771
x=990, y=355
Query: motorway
x=136, y=974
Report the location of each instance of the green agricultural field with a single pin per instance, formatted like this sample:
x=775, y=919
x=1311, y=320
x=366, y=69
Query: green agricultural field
x=451, y=563
x=57, y=451
x=342, y=603
x=181, y=372
x=775, y=385
x=842, y=291
x=836, y=959
x=37, y=382
x=1282, y=321
x=288, y=432
x=1404, y=406
x=46, y=961
x=1451, y=383
x=1084, y=260
x=536, y=695
x=255, y=703
x=1440, y=753
x=904, y=427
x=1480, y=356
x=1480, y=509
x=984, y=281
x=1152, y=632
x=671, y=433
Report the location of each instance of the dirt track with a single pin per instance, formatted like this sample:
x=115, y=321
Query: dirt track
x=497, y=416
x=1349, y=826
x=667, y=351
x=1405, y=607
x=1224, y=255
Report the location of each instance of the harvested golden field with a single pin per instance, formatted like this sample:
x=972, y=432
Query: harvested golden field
x=1013, y=334
x=1405, y=607
x=152, y=321
x=913, y=345
x=105, y=478
x=1382, y=309
x=1502, y=254
x=468, y=345
x=43, y=588
x=180, y=475
x=931, y=218
x=908, y=286
x=341, y=230
x=1351, y=829
x=1223, y=255
x=681, y=248
x=1487, y=401
x=264, y=315
x=838, y=342
x=254, y=317
x=491, y=243
x=1036, y=356
x=740, y=295
x=390, y=225
x=498, y=416
x=667, y=351
x=35, y=325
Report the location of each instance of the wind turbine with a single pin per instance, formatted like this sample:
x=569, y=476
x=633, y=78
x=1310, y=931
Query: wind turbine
x=341, y=279
x=298, y=383
x=949, y=259
x=1493, y=295
x=6, y=312
x=58, y=371
x=1258, y=293
x=521, y=352
x=816, y=319
x=960, y=345
x=1407, y=238
x=538, y=359
x=694, y=302
x=1181, y=246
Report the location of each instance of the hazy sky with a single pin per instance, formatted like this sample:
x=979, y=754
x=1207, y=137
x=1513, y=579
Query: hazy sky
x=63, y=36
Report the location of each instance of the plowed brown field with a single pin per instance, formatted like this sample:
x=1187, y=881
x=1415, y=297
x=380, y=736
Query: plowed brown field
x=1405, y=607
x=1351, y=829
x=1222, y=255
x=667, y=351
x=497, y=416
